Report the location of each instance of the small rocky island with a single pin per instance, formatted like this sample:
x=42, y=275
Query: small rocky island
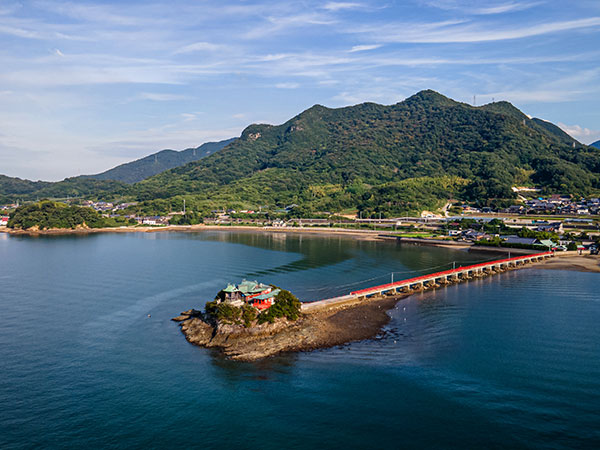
x=251, y=320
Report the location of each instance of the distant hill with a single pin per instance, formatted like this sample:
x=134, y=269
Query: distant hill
x=595, y=144
x=13, y=189
x=378, y=159
x=108, y=184
x=19, y=186
x=155, y=163
x=388, y=159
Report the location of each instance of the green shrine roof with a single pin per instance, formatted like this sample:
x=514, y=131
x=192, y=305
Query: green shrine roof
x=246, y=287
x=269, y=295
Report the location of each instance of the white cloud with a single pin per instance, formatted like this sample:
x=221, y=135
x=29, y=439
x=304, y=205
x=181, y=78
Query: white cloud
x=505, y=8
x=188, y=116
x=287, y=85
x=199, y=47
x=362, y=48
x=461, y=32
x=277, y=24
x=337, y=6
x=159, y=97
x=582, y=134
x=534, y=95
x=468, y=8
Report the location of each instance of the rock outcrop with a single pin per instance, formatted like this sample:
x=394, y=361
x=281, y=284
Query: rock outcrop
x=322, y=328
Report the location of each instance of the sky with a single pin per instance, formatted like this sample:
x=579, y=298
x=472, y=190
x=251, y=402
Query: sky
x=85, y=86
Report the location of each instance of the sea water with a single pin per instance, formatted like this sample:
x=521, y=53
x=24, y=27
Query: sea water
x=90, y=358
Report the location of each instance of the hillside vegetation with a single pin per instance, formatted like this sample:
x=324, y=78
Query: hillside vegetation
x=377, y=158
x=47, y=214
x=106, y=185
x=155, y=163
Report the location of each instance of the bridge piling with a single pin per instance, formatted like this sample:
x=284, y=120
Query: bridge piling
x=435, y=280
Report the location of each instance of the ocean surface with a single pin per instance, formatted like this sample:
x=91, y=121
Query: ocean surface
x=511, y=361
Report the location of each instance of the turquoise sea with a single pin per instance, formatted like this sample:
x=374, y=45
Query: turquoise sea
x=511, y=361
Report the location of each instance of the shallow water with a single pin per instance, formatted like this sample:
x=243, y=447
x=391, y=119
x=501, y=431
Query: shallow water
x=507, y=361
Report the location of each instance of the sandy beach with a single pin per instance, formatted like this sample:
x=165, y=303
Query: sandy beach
x=572, y=261
x=366, y=234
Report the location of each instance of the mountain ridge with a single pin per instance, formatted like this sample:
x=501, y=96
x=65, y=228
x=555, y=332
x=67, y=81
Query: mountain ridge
x=427, y=135
x=142, y=168
x=388, y=159
x=112, y=181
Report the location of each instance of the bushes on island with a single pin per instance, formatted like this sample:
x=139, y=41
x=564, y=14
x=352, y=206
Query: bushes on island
x=286, y=306
x=226, y=313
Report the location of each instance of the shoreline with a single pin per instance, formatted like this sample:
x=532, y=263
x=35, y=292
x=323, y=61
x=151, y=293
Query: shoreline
x=347, y=319
x=317, y=329
x=563, y=261
x=373, y=235
x=572, y=261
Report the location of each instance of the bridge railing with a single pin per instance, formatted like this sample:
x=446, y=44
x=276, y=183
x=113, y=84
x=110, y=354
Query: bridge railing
x=458, y=270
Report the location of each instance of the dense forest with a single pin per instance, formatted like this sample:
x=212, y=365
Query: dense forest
x=389, y=160
x=47, y=214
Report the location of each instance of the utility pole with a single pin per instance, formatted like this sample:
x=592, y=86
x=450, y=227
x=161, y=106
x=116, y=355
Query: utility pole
x=184, y=206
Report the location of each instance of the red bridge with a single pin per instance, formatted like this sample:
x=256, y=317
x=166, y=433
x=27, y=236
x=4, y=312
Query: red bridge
x=434, y=279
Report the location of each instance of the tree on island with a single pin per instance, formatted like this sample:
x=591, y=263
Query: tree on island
x=286, y=306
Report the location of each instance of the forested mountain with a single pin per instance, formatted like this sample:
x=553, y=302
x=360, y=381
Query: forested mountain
x=19, y=186
x=13, y=189
x=109, y=184
x=143, y=168
x=331, y=159
x=595, y=144
x=396, y=159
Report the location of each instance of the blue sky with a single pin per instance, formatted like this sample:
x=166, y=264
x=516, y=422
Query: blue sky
x=85, y=86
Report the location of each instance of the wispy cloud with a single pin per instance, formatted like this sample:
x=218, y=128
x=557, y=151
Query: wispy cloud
x=199, y=47
x=285, y=23
x=582, y=134
x=489, y=9
x=85, y=75
x=160, y=97
x=338, y=6
x=461, y=32
x=505, y=8
x=287, y=85
x=362, y=48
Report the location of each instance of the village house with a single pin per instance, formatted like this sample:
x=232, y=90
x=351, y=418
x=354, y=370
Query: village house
x=521, y=240
x=154, y=220
x=4, y=221
x=259, y=295
x=279, y=223
x=554, y=227
x=474, y=235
